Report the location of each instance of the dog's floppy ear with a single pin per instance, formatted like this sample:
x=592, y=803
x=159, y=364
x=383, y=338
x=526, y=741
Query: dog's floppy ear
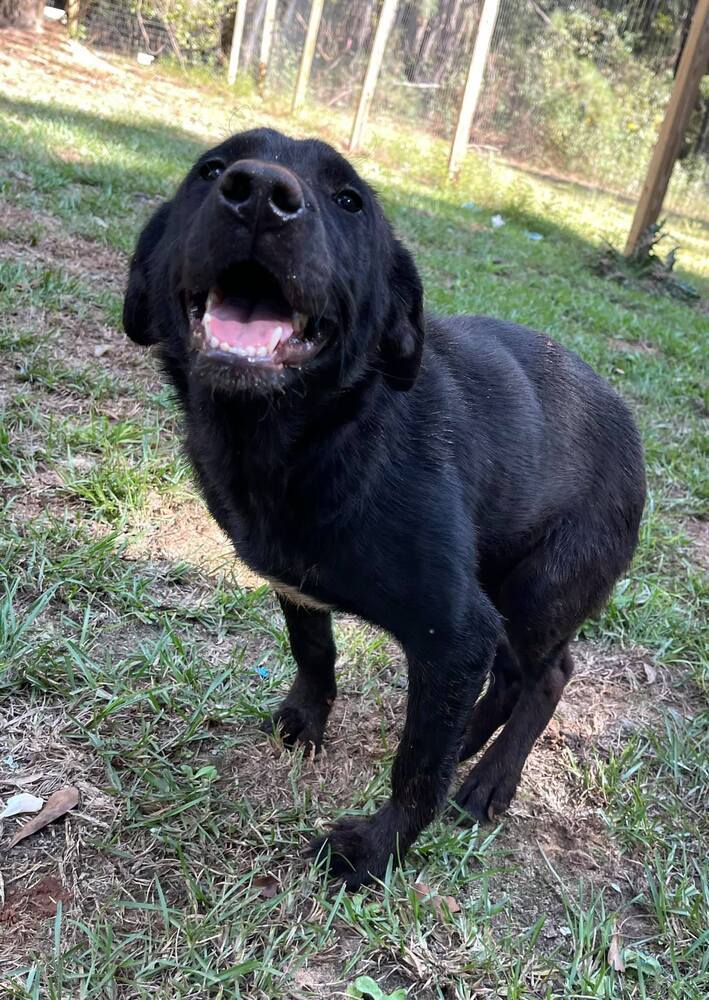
x=136, y=307
x=402, y=341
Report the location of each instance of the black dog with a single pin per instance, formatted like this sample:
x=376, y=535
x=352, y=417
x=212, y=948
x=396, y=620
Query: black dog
x=464, y=483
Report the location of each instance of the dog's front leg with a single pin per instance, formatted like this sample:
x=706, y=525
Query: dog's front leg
x=302, y=716
x=443, y=686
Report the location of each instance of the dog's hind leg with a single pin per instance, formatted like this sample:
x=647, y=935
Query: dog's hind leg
x=492, y=783
x=302, y=716
x=495, y=707
x=544, y=600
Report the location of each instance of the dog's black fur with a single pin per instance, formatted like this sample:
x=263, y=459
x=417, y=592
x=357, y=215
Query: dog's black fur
x=464, y=483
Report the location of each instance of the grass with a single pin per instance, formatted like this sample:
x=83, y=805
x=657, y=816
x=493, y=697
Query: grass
x=136, y=659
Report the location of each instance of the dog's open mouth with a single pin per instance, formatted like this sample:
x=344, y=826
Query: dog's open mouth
x=247, y=320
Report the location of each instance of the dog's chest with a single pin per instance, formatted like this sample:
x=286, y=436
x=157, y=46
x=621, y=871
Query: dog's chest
x=288, y=554
x=289, y=525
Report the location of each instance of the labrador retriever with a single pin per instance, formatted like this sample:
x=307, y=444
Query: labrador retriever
x=464, y=483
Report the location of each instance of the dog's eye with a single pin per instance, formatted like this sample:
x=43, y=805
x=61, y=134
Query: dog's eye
x=210, y=170
x=349, y=200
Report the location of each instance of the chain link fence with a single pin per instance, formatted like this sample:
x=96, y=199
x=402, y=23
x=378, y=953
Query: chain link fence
x=577, y=88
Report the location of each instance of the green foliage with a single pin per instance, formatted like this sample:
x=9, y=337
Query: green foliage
x=196, y=25
x=364, y=988
x=585, y=91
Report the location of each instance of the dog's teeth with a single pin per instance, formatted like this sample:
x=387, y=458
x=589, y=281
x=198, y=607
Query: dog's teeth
x=262, y=352
x=224, y=346
x=213, y=342
x=299, y=320
x=275, y=339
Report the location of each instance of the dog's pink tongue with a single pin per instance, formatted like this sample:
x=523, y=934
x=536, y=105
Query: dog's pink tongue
x=245, y=327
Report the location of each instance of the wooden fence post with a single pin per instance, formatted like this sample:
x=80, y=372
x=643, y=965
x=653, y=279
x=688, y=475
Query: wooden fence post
x=473, y=85
x=269, y=21
x=386, y=19
x=692, y=67
x=72, y=17
x=237, y=35
x=306, y=62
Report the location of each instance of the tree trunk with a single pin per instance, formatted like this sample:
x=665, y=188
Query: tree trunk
x=22, y=14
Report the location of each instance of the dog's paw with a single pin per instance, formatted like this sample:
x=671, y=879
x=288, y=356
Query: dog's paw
x=486, y=793
x=358, y=850
x=299, y=724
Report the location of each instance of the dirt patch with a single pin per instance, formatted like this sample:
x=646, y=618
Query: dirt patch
x=51, y=51
x=633, y=346
x=58, y=863
x=48, y=63
x=698, y=531
x=78, y=335
x=553, y=836
x=182, y=532
x=30, y=235
x=35, y=901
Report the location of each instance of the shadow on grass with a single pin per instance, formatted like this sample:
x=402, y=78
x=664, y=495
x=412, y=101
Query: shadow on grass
x=162, y=150
x=150, y=158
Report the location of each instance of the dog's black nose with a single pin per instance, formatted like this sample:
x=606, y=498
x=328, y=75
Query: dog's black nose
x=260, y=191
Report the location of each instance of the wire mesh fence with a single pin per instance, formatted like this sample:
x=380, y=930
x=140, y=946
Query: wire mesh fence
x=578, y=88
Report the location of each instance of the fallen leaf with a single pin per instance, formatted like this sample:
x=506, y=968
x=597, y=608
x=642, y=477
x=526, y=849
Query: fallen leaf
x=650, y=673
x=422, y=890
x=615, y=954
x=365, y=986
x=649, y=965
x=267, y=886
x=57, y=805
x=440, y=904
x=24, y=803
